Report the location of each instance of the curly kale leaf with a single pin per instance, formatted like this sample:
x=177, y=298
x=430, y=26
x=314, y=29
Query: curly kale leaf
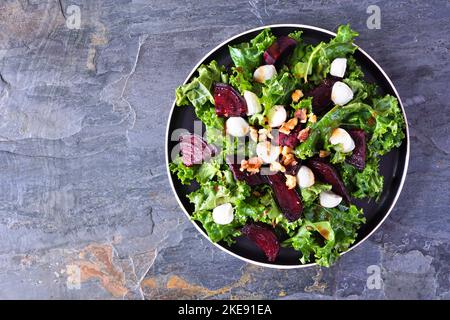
x=326, y=232
x=185, y=174
x=247, y=56
x=315, y=62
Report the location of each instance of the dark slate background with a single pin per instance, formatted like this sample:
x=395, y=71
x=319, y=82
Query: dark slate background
x=85, y=206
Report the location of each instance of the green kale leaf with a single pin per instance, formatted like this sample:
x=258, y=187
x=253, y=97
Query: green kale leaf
x=363, y=184
x=316, y=61
x=247, y=56
x=184, y=174
x=198, y=91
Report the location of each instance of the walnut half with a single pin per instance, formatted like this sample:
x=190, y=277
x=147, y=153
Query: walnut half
x=291, y=181
x=297, y=95
x=276, y=166
x=303, y=134
x=324, y=153
x=252, y=165
x=289, y=159
x=254, y=134
x=301, y=115
x=288, y=126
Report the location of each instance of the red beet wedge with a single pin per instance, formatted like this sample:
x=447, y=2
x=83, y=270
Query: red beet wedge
x=264, y=237
x=358, y=156
x=328, y=174
x=293, y=169
x=321, y=96
x=228, y=102
x=288, y=200
x=251, y=179
x=280, y=49
x=195, y=150
x=290, y=139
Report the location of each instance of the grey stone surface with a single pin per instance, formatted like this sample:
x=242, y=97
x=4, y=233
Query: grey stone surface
x=85, y=206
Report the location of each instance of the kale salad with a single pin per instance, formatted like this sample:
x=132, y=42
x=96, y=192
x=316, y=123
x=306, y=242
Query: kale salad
x=292, y=133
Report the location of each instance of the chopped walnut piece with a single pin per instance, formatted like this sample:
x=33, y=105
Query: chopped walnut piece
x=276, y=166
x=284, y=129
x=256, y=193
x=288, y=156
x=324, y=153
x=301, y=115
x=244, y=165
x=286, y=150
x=254, y=134
x=291, y=181
x=252, y=165
x=262, y=135
x=289, y=159
x=303, y=134
x=297, y=95
x=288, y=126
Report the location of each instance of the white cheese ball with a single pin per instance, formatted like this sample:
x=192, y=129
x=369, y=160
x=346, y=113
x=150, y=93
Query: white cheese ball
x=264, y=73
x=223, y=214
x=268, y=152
x=341, y=94
x=329, y=199
x=277, y=116
x=237, y=126
x=253, y=104
x=342, y=138
x=305, y=177
x=338, y=67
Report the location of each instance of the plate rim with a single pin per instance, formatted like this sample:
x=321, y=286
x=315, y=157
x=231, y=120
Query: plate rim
x=271, y=265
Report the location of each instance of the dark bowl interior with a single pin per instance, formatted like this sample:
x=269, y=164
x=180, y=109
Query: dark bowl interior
x=392, y=165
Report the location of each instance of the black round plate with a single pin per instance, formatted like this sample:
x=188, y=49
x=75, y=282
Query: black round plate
x=393, y=165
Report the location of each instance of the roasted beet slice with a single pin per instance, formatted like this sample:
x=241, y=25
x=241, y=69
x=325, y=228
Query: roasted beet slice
x=228, y=102
x=288, y=200
x=321, y=96
x=358, y=156
x=250, y=179
x=292, y=169
x=264, y=237
x=328, y=174
x=280, y=49
x=290, y=139
x=195, y=150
